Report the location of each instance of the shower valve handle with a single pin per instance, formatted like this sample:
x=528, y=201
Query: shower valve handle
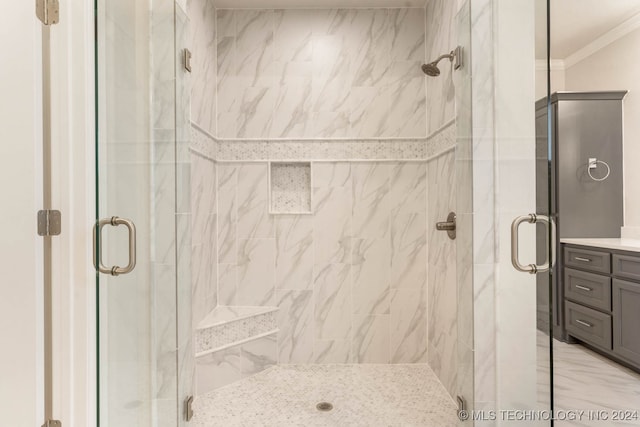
x=449, y=225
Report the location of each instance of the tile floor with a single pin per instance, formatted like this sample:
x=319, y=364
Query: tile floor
x=362, y=395
x=585, y=380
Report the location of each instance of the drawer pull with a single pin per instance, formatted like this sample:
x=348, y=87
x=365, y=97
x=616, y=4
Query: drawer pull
x=584, y=288
x=579, y=258
x=583, y=323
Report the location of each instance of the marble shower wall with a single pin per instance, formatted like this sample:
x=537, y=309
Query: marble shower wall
x=445, y=114
x=320, y=73
x=203, y=64
x=442, y=280
x=204, y=207
x=186, y=362
x=441, y=38
x=350, y=279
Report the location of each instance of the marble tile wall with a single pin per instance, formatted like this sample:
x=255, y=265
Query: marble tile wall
x=320, y=73
x=484, y=239
x=349, y=280
x=442, y=279
x=186, y=362
x=162, y=295
x=223, y=367
x=441, y=38
x=443, y=118
x=204, y=231
x=464, y=210
x=203, y=65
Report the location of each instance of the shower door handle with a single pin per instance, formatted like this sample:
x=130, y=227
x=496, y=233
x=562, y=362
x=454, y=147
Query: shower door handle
x=97, y=246
x=550, y=259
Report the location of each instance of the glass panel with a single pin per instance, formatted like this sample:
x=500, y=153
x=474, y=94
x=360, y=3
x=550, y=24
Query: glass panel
x=512, y=356
x=186, y=360
x=594, y=74
x=464, y=211
x=136, y=164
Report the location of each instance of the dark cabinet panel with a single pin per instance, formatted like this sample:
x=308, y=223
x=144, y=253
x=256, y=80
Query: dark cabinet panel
x=589, y=325
x=596, y=261
x=589, y=289
x=626, y=266
x=626, y=322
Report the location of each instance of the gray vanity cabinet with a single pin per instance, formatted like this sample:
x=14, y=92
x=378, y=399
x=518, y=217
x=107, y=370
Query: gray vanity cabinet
x=626, y=320
x=584, y=125
x=602, y=300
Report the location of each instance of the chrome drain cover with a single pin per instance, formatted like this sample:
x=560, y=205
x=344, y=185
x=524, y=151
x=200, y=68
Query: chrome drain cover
x=324, y=406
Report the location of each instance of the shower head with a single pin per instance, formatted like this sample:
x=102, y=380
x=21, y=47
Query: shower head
x=431, y=69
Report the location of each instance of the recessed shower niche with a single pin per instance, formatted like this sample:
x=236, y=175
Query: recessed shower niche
x=290, y=188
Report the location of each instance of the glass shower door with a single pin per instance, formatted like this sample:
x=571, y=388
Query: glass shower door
x=513, y=220
x=135, y=236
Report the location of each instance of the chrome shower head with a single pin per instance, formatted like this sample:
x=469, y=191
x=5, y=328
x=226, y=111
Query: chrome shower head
x=431, y=69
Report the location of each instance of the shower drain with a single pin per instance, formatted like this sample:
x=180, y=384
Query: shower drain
x=324, y=406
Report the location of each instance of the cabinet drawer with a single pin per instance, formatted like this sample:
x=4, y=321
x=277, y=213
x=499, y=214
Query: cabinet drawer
x=587, y=288
x=596, y=261
x=588, y=325
x=626, y=266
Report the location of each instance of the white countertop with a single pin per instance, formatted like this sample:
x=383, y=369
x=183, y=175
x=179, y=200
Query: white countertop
x=632, y=245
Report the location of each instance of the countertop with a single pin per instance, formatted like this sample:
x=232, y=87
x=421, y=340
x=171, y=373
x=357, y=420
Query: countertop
x=631, y=245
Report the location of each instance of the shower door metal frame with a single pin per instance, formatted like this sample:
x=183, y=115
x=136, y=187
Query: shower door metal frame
x=48, y=13
x=66, y=327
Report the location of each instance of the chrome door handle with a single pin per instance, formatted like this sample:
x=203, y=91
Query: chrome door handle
x=97, y=254
x=550, y=259
x=584, y=288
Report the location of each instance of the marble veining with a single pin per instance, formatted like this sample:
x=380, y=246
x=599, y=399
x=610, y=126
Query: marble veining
x=585, y=380
x=323, y=73
x=204, y=51
x=362, y=395
x=350, y=279
x=294, y=251
x=442, y=277
x=440, y=39
x=219, y=368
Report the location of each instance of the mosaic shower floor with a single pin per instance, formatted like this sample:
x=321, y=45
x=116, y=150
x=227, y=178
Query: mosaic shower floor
x=362, y=395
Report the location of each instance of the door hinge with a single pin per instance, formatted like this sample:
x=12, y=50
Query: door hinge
x=48, y=11
x=49, y=222
x=52, y=423
x=463, y=413
x=188, y=408
x=187, y=60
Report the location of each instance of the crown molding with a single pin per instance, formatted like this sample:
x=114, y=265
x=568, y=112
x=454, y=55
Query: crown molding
x=604, y=40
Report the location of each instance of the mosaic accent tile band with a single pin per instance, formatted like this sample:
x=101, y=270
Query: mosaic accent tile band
x=324, y=149
x=202, y=142
x=232, y=332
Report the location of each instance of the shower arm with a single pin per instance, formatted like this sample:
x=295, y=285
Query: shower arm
x=449, y=55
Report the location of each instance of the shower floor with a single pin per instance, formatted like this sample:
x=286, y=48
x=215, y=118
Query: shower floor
x=361, y=395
